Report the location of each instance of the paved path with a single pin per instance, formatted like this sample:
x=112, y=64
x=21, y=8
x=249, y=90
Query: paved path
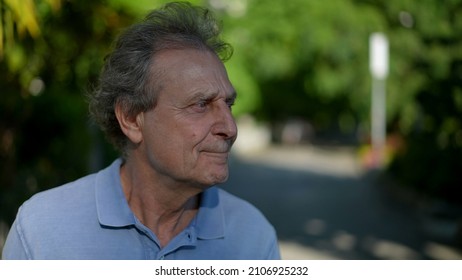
x=325, y=206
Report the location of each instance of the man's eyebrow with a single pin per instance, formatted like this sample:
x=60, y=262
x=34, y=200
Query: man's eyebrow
x=200, y=95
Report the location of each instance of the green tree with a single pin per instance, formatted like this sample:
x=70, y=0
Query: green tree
x=428, y=86
x=304, y=59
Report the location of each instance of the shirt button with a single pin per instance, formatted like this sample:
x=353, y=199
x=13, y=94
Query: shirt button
x=162, y=257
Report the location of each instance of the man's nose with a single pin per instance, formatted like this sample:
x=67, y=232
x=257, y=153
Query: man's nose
x=225, y=126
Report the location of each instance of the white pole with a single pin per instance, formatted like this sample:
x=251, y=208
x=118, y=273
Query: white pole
x=378, y=44
x=378, y=121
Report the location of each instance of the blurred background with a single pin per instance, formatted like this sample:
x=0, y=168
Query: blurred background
x=304, y=156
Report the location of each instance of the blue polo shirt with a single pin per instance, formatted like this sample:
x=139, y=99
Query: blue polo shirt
x=91, y=219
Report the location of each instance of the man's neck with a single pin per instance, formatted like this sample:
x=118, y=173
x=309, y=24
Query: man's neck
x=165, y=209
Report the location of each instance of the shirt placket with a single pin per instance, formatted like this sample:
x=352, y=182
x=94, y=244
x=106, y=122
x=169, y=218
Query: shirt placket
x=152, y=246
x=187, y=238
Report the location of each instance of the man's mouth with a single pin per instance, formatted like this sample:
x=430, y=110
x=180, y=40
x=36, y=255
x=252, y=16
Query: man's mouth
x=219, y=149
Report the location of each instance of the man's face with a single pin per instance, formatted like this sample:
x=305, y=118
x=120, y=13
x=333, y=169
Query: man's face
x=188, y=135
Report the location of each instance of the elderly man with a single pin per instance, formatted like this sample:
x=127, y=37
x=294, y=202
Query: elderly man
x=165, y=101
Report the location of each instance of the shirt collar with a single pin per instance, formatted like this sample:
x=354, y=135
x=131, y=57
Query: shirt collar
x=111, y=204
x=114, y=211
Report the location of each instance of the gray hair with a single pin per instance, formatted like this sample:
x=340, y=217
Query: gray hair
x=127, y=78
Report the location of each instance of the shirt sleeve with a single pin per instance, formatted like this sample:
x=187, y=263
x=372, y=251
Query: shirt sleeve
x=15, y=247
x=274, y=252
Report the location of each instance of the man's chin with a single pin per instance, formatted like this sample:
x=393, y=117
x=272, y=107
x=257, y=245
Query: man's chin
x=218, y=178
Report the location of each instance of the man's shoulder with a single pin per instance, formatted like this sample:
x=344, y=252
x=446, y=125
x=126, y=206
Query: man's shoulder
x=54, y=200
x=232, y=200
x=241, y=211
x=77, y=194
x=247, y=229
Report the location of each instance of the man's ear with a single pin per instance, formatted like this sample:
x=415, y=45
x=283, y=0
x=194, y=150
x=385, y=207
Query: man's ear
x=131, y=126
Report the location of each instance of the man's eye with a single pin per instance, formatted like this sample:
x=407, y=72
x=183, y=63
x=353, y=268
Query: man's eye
x=201, y=104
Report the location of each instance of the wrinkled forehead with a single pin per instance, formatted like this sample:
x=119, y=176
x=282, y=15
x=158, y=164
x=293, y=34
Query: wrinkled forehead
x=190, y=70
